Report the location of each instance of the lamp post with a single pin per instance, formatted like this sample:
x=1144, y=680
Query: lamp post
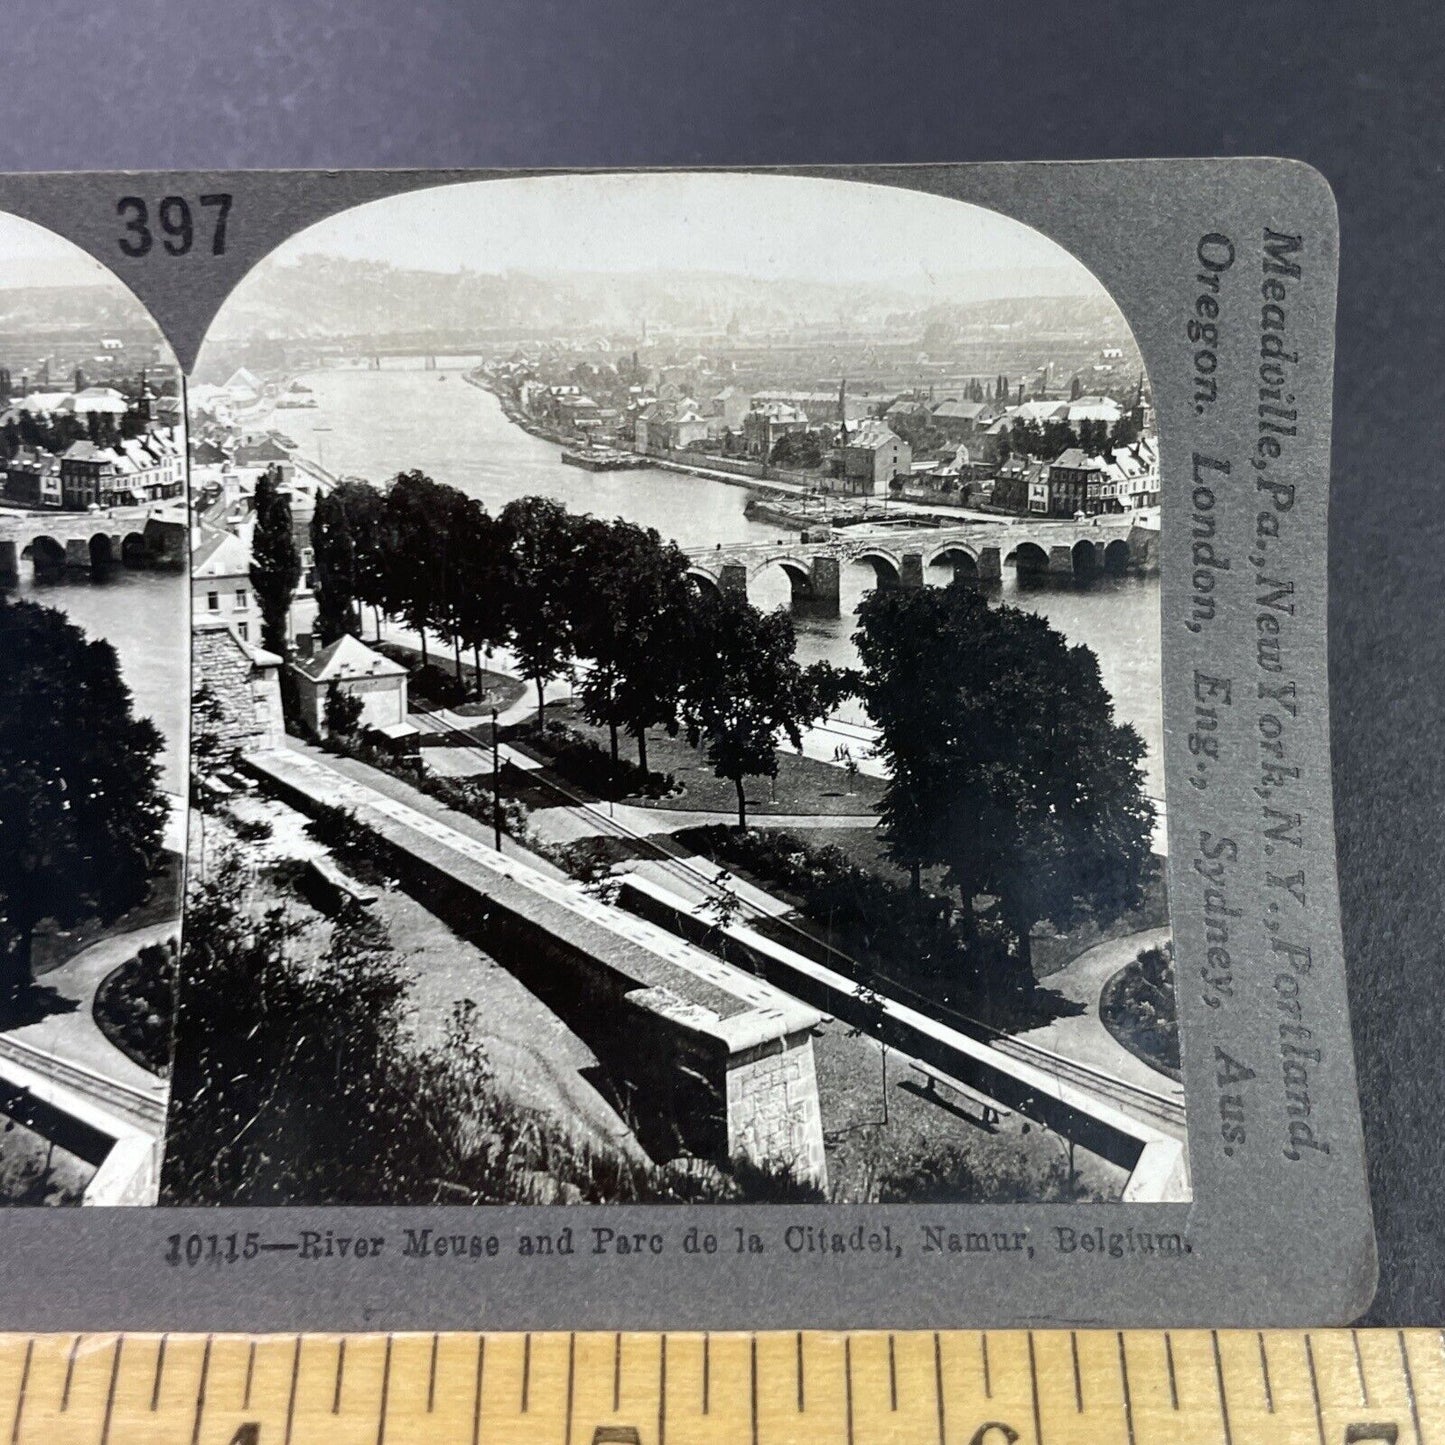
x=496, y=784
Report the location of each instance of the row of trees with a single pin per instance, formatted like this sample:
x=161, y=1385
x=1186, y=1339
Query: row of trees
x=1049, y=440
x=54, y=433
x=555, y=589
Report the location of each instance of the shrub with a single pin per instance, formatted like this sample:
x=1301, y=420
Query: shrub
x=908, y=937
x=1138, y=1007
x=135, y=1004
x=299, y=1082
x=590, y=765
x=948, y=1174
x=472, y=796
x=436, y=686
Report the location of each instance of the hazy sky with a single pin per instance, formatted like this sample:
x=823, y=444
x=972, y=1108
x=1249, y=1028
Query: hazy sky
x=759, y=226
x=32, y=256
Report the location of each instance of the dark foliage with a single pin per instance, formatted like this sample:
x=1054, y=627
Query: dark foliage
x=298, y=1083
x=134, y=1006
x=1139, y=1008
x=81, y=810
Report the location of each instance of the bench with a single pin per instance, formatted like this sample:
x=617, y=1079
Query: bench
x=989, y=1112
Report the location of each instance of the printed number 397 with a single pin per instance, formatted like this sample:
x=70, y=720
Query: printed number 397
x=176, y=222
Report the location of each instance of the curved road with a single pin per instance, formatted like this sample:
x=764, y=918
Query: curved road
x=1083, y=1037
x=74, y=1035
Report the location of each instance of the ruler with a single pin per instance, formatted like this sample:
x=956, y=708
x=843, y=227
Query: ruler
x=1043, y=1387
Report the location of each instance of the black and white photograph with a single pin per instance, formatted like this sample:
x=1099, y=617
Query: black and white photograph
x=93, y=717
x=675, y=708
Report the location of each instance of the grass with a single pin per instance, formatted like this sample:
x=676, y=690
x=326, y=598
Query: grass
x=1016, y=1161
x=804, y=785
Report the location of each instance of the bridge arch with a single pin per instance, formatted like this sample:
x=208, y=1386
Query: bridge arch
x=1085, y=557
x=702, y=582
x=102, y=552
x=963, y=560
x=1117, y=557
x=1029, y=559
x=797, y=570
x=133, y=551
x=46, y=554
x=887, y=569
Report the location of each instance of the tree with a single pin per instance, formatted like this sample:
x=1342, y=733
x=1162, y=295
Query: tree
x=1056, y=437
x=275, y=562
x=483, y=573
x=1006, y=765
x=631, y=615
x=1093, y=437
x=541, y=602
x=342, y=712
x=416, y=552
x=81, y=811
x=798, y=449
x=743, y=687
x=344, y=537
x=1125, y=433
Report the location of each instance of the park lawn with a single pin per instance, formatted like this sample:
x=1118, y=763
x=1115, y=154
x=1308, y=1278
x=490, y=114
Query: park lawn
x=804, y=785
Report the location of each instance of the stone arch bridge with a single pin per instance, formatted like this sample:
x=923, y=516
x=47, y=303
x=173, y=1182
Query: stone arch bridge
x=900, y=556
x=57, y=542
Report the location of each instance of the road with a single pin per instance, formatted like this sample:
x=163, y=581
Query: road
x=1083, y=1038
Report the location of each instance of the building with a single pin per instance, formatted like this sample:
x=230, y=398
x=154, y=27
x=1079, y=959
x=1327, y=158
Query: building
x=960, y=420
x=221, y=590
x=99, y=401
x=870, y=458
x=820, y=407
x=1078, y=483
x=729, y=407
x=356, y=669
x=244, y=684
x=767, y=422
x=32, y=478
x=1020, y=483
x=147, y=468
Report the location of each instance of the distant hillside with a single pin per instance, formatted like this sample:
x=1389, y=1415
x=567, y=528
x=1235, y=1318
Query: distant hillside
x=105, y=310
x=319, y=297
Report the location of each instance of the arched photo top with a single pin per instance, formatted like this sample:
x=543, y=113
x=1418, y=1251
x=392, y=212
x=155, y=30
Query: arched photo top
x=682, y=252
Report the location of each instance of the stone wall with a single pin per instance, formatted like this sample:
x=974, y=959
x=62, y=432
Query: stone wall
x=773, y=1111
x=245, y=684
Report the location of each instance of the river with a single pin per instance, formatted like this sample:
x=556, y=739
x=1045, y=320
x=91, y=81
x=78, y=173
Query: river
x=376, y=423
x=145, y=616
